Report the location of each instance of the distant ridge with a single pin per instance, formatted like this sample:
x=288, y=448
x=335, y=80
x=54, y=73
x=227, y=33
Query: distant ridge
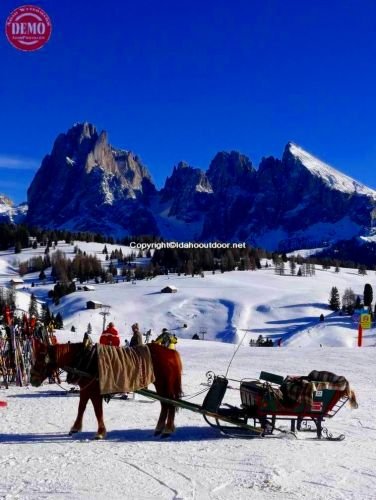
x=85, y=184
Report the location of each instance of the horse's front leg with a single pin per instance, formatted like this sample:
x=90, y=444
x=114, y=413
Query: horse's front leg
x=77, y=426
x=97, y=401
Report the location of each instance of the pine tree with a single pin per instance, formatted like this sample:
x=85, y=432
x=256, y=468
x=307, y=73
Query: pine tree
x=348, y=301
x=334, y=301
x=292, y=267
x=33, y=307
x=362, y=270
x=277, y=264
x=46, y=315
x=59, y=321
x=17, y=247
x=358, y=303
x=368, y=295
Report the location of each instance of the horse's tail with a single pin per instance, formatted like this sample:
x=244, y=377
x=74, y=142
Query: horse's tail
x=177, y=389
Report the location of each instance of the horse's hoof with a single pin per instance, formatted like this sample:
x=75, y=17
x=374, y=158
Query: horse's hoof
x=168, y=431
x=74, y=431
x=157, y=433
x=101, y=435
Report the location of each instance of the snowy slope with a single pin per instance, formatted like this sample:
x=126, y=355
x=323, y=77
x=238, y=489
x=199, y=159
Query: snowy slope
x=224, y=307
x=39, y=460
x=332, y=177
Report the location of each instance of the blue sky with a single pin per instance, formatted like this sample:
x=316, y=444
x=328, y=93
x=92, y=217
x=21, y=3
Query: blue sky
x=182, y=80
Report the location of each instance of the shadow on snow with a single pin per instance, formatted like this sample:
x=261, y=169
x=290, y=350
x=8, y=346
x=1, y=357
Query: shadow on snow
x=129, y=435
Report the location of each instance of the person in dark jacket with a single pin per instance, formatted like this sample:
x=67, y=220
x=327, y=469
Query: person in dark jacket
x=136, y=337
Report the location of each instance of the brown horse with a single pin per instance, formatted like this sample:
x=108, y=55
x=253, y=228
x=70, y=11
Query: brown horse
x=167, y=371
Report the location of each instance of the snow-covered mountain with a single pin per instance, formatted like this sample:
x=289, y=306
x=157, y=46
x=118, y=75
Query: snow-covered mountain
x=295, y=202
x=332, y=177
x=10, y=213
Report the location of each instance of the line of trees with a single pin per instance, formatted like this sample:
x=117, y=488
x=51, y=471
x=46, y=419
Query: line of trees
x=350, y=301
x=195, y=261
x=18, y=236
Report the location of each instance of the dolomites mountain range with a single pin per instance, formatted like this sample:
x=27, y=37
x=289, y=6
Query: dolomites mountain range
x=86, y=184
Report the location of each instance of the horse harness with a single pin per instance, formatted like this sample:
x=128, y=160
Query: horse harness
x=84, y=360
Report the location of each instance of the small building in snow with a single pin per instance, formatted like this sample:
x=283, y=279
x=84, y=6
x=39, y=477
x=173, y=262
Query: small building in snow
x=17, y=282
x=169, y=289
x=93, y=304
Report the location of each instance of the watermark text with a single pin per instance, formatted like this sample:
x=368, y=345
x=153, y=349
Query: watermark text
x=184, y=245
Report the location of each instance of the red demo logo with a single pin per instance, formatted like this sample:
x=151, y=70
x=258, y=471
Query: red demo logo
x=28, y=28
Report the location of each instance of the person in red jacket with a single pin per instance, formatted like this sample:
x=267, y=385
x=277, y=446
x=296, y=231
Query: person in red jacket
x=110, y=336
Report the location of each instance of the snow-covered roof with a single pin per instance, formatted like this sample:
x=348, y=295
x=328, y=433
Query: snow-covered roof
x=17, y=281
x=331, y=176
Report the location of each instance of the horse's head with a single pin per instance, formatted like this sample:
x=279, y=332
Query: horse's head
x=43, y=364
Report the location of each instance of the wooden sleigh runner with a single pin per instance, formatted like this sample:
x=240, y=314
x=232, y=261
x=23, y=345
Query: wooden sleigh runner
x=264, y=405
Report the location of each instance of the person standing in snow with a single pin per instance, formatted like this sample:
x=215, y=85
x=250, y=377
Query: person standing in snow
x=136, y=337
x=110, y=336
x=166, y=339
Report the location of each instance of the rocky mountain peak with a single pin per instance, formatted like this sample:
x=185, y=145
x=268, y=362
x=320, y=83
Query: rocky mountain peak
x=82, y=176
x=296, y=157
x=9, y=213
x=182, y=165
x=229, y=169
x=185, y=179
x=298, y=202
x=83, y=130
x=5, y=201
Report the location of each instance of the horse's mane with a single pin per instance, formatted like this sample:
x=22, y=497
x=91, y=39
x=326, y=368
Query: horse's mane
x=66, y=352
x=78, y=355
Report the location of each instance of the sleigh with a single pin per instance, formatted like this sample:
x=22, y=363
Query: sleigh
x=263, y=408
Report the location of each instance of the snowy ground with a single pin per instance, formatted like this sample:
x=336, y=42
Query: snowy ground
x=39, y=460
x=224, y=307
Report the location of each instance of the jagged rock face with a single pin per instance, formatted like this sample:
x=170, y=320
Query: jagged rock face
x=86, y=184
x=228, y=170
x=300, y=193
x=188, y=193
x=232, y=177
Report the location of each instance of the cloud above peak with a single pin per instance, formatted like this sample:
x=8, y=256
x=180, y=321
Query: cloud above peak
x=16, y=162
